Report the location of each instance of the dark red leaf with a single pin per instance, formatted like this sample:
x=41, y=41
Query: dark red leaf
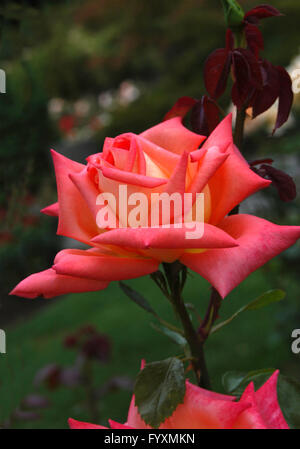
x=254, y=39
x=263, y=98
x=205, y=116
x=285, y=97
x=241, y=88
x=229, y=39
x=256, y=77
x=261, y=12
x=260, y=161
x=180, y=108
x=247, y=76
x=216, y=71
x=283, y=182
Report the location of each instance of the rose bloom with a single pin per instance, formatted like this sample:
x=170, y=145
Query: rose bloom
x=203, y=409
x=165, y=158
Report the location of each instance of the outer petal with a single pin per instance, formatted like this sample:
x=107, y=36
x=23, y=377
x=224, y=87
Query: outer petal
x=90, y=190
x=234, y=181
x=173, y=136
x=48, y=284
x=201, y=410
x=259, y=241
x=102, y=267
x=87, y=187
x=117, y=426
x=204, y=411
x=75, y=218
x=267, y=403
x=134, y=419
x=166, y=238
x=73, y=424
x=52, y=210
x=250, y=418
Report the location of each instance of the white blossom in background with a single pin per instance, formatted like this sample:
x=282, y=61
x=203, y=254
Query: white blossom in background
x=105, y=99
x=55, y=106
x=83, y=118
x=294, y=71
x=128, y=92
x=82, y=108
x=105, y=118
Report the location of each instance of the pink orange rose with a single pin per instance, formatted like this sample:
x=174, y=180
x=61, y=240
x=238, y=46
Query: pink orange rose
x=203, y=409
x=166, y=158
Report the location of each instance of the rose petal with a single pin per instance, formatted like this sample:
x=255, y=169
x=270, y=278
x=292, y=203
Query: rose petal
x=144, y=238
x=132, y=178
x=102, y=267
x=173, y=136
x=259, y=241
x=52, y=210
x=177, y=182
x=212, y=160
x=48, y=284
x=116, y=425
x=75, y=218
x=267, y=402
x=89, y=191
x=73, y=424
x=251, y=417
x=233, y=181
x=201, y=410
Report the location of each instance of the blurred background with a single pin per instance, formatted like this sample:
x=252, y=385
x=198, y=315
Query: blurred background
x=77, y=71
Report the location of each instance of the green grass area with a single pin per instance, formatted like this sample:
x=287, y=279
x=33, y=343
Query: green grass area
x=250, y=342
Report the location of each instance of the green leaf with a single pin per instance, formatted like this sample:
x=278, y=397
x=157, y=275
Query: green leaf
x=289, y=400
x=137, y=298
x=235, y=382
x=264, y=300
x=234, y=13
x=158, y=390
x=173, y=335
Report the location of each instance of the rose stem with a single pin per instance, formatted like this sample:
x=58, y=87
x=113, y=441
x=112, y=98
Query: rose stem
x=173, y=272
x=239, y=127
